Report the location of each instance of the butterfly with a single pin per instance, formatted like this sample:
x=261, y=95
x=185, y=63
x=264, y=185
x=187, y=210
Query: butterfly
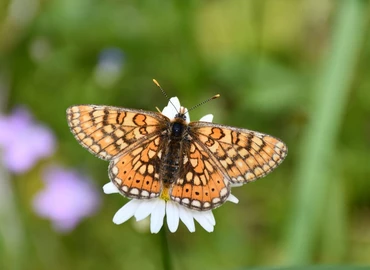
x=192, y=163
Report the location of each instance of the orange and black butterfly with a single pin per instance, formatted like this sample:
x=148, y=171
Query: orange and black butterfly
x=192, y=163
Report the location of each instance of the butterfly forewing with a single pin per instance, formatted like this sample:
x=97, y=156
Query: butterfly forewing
x=243, y=154
x=108, y=132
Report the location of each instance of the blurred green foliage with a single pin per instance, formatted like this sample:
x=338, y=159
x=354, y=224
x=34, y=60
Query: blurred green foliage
x=297, y=70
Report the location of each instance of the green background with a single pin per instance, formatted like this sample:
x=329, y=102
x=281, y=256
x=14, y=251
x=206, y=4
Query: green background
x=295, y=69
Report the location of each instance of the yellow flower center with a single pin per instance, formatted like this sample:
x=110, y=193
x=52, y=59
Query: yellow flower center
x=165, y=194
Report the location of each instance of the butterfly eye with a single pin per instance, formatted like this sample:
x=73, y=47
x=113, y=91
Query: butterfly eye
x=180, y=115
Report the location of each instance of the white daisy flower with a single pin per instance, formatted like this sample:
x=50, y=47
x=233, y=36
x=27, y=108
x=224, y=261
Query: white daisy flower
x=157, y=208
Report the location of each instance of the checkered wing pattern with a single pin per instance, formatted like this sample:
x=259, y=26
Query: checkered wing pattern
x=218, y=157
x=211, y=157
x=201, y=185
x=242, y=155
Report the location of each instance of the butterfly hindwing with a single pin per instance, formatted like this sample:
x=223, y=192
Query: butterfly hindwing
x=137, y=173
x=201, y=185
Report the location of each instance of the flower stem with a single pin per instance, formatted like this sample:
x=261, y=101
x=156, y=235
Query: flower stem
x=166, y=255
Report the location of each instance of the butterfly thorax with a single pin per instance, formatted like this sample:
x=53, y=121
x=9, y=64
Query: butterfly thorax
x=172, y=158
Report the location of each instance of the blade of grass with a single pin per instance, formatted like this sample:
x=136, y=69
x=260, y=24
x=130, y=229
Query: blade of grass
x=334, y=237
x=11, y=233
x=11, y=229
x=318, y=144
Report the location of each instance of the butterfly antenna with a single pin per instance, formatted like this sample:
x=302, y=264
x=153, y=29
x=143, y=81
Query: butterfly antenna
x=196, y=106
x=164, y=93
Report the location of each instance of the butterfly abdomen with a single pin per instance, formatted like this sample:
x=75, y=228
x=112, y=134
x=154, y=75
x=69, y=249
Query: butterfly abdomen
x=172, y=158
x=171, y=162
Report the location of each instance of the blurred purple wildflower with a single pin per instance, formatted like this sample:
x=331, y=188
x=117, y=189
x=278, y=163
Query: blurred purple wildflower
x=23, y=141
x=111, y=57
x=109, y=66
x=68, y=197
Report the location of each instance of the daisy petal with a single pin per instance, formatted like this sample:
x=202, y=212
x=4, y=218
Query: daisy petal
x=236, y=184
x=172, y=108
x=110, y=188
x=187, y=116
x=203, y=221
x=187, y=218
x=232, y=198
x=207, y=118
x=145, y=209
x=209, y=216
x=173, y=216
x=167, y=112
x=176, y=103
x=158, y=213
x=126, y=212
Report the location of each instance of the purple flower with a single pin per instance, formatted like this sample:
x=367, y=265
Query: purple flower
x=109, y=66
x=111, y=57
x=23, y=141
x=68, y=197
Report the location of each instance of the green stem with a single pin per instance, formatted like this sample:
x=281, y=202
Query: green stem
x=166, y=255
x=318, y=145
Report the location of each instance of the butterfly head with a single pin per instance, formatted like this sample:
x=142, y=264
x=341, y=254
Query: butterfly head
x=181, y=114
x=178, y=125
